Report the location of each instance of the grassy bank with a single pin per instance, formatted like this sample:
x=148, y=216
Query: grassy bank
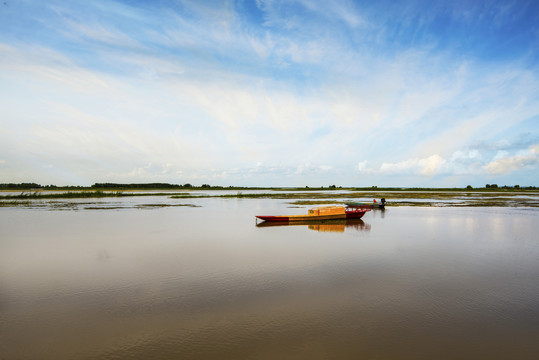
x=82, y=194
x=494, y=197
x=166, y=186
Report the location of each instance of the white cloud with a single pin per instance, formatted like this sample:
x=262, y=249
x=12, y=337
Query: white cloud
x=428, y=166
x=43, y=67
x=466, y=156
x=325, y=167
x=226, y=103
x=99, y=32
x=505, y=164
x=362, y=166
x=340, y=11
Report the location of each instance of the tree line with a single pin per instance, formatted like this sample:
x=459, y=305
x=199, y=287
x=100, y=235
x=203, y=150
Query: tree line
x=164, y=186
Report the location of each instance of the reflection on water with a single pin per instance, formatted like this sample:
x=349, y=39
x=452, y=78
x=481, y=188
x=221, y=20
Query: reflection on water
x=339, y=225
x=204, y=283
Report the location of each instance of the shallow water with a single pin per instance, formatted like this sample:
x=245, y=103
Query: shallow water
x=207, y=283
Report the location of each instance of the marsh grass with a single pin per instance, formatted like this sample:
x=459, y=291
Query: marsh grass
x=84, y=194
x=69, y=205
x=139, y=206
x=328, y=202
x=394, y=198
x=428, y=199
x=15, y=203
x=155, y=206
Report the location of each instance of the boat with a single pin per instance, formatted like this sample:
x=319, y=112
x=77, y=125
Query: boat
x=373, y=205
x=321, y=213
x=338, y=225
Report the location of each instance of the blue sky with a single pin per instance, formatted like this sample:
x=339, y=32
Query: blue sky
x=270, y=93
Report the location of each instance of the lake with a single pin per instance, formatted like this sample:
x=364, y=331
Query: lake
x=128, y=279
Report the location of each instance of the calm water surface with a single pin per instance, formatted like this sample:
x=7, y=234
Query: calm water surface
x=207, y=283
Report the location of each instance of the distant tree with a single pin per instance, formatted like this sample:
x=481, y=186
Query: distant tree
x=133, y=186
x=517, y=186
x=469, y=187
x=206, y=186
x=332, y=186
x=187, y=185
x=21, y=186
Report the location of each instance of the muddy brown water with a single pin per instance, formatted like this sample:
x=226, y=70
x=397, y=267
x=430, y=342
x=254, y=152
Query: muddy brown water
x=207, y=283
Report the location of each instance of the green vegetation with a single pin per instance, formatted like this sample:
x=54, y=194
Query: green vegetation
x=436, y=199
x=313, y=202
x=166, y=186
x=395, y=198
x=491, y=195
x=64, y=195
x=21, y=186
x=139, y=206
x=311, y=198
x=15, y=203
x=85, y=194
x=149, y=186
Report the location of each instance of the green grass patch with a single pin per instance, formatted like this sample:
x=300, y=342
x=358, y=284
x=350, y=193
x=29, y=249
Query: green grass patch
x=314, y=202
x=81, y=195
x=15, y=203
x=394, y=198
x=139, y=206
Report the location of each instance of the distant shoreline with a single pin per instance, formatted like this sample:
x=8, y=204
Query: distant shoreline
x=33, y=187
x=297, y=197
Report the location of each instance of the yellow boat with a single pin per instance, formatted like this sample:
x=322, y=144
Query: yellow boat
x=322, y=225
x=322, y=213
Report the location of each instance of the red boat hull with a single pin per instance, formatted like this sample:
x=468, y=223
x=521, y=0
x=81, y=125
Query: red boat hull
x=348, y=215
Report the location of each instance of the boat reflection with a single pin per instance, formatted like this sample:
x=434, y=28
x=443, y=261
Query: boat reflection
x=324, y=225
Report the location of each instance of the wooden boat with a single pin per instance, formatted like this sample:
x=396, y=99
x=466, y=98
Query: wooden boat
x=373, y=205
x=322, y=213
x=338, y=225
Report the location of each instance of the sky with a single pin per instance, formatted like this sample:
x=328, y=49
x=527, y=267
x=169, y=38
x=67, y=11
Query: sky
x=270, y=92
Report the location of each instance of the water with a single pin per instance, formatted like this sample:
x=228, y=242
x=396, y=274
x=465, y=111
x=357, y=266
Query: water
x=207, y=283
